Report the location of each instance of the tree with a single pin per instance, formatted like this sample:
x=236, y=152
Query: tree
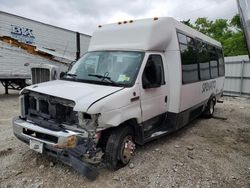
x=235, y=22
x=188, y=23
x=203, y=25
x=228, y=32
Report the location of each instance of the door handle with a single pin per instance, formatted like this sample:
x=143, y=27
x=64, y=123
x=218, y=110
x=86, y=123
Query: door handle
x=166, y=99
x=134, y=99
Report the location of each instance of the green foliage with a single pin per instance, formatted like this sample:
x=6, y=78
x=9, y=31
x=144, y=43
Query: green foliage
x=235, y=21
x=203, y=25
x=235, y=45
x=188, y=23
x=228, y=32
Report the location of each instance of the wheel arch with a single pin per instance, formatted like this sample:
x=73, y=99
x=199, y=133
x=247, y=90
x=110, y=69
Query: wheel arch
x=212, y=97
x=132, y=123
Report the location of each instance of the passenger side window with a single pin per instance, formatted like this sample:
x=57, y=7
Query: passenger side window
x=203, y=60
x=188, y=59
x=199, y=60
x=153, y=74
x=221, y=63
x=213, y=62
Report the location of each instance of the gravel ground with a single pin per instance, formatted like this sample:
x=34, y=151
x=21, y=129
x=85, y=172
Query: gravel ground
x=206, y=153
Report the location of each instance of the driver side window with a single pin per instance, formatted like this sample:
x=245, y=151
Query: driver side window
x=153, y=74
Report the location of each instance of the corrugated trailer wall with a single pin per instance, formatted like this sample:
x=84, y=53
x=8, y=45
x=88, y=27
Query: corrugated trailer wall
x=45, y=37
x=237, y=76
x=26, y=43
x=16, y=62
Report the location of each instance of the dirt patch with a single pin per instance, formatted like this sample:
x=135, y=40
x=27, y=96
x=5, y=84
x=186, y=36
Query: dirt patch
x=206, y=153
x=5, y=152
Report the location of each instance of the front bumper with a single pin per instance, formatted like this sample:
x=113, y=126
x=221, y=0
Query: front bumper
x=58, y=136
x=70, y=156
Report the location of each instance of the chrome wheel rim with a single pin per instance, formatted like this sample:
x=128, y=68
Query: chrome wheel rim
x=128, y=148
x=211, y=107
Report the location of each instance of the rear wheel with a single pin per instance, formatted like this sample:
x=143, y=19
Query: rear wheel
x=209, y=111
x=120, y=147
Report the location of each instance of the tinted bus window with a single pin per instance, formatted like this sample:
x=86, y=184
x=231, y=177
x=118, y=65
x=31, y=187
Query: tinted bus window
x=221, y=63
x=189, y=65
x=182, y=38
x=213, y=62
x=203, y=60
x=190, y=41
x=188, y=59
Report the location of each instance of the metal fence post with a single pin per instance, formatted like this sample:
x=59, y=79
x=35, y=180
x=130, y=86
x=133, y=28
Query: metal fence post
x=241, y=76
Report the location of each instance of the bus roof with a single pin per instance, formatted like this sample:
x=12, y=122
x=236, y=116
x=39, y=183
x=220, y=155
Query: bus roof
x=155, y=34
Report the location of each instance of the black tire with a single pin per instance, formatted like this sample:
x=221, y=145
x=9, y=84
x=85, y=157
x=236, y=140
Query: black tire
x=115, y=147
x=209, y=111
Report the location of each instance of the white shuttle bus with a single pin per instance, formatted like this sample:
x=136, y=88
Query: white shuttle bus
x=139, y=80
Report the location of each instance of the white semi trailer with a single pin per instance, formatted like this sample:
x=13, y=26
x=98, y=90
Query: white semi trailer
x=139, y=80
x=26, y=43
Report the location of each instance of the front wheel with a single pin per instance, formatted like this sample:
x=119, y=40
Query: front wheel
x=120, y=147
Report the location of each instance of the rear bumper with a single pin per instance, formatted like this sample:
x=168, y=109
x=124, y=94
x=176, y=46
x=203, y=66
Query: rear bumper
x=71, y=157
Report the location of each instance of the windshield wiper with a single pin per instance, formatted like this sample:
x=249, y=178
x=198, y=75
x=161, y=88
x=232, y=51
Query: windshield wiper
x=71, y=75
x=104, y=78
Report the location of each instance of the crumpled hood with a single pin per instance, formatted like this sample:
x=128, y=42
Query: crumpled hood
x=83, y=94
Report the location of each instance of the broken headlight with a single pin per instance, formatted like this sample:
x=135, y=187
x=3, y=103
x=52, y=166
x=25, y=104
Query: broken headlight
x=22, y=106
x=88, y=122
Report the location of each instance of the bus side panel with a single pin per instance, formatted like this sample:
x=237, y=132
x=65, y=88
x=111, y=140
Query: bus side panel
x=199, y=92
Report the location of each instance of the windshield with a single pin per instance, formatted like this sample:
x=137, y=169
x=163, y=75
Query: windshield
x=107, y=67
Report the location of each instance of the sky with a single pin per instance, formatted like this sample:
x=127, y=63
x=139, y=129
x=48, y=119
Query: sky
x=85, y=16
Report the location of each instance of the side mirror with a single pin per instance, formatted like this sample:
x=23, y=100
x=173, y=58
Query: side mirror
x=62, y=74
x=71, y=65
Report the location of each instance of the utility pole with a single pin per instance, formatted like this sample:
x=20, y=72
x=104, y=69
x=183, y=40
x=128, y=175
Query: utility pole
x=78, y=46
x=244, y=12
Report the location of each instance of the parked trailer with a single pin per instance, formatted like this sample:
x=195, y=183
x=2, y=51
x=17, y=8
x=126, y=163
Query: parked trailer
x=15, y=65
x=25, y=43
x=139, y=80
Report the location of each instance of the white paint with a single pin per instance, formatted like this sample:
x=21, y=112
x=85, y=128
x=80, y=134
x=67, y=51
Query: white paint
x=153, y=99
x=191, y=94
x=152, y=37
x=156, y=35
x=145, y=34
x=81, y=93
